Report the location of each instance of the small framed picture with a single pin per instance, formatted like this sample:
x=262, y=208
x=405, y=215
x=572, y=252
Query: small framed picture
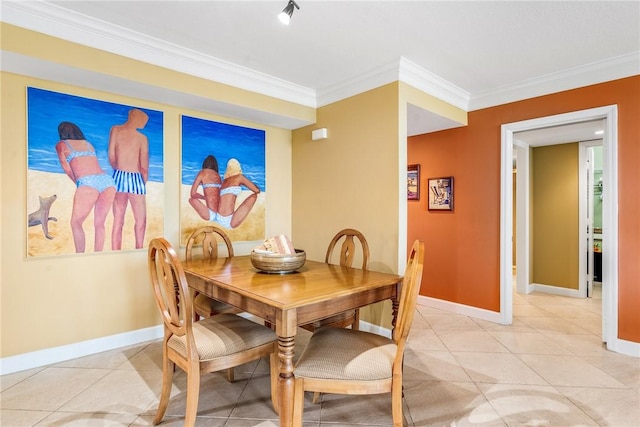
x=413, y=182
x=441, y=194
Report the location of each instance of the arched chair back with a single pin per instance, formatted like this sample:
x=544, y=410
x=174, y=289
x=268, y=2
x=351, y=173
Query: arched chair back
x=347, y=240
x=348, y=250
x=207, y=239
x=216, y=343
x=204, y=242
x=347, y=361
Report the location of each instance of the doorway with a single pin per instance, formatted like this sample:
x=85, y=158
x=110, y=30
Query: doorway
x=593, y=187
x=562, y=229
x=509, y=146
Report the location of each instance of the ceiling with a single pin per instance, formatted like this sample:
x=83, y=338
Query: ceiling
x=472, y=54
x=575, y=132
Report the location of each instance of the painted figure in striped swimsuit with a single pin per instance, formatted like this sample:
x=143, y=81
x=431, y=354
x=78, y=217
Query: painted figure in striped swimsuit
x=129, y=158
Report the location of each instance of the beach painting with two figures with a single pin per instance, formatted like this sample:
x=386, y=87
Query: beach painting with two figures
x=223, y=179
x=95, y=179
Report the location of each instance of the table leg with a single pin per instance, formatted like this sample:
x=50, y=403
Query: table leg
x=395, y=305
x=285, y=380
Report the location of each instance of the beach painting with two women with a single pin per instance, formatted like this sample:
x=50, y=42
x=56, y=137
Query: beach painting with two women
x=95, y=175
x=223, y=179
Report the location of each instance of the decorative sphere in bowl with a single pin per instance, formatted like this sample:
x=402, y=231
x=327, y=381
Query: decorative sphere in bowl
x=278, y=263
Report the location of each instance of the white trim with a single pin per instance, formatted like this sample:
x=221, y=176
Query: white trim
x=68, y=25
x=375, y=329
x=583, y=244
x=400, y=70
x=51, y=19
x=585, y=75
x=556, y=290
x=457, y=308
x=628, y=348
x=523, y=241
x=587, y=173
x=506, y=229
x=49, y=356
x=609, y=210
x=372, y=79
x=610, y=229
x=434, y=85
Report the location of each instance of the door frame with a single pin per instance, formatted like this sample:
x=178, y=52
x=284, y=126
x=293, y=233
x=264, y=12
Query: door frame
x=609, y=214
x=587, y=193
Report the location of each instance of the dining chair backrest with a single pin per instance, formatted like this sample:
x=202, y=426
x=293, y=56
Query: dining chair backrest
x=348, y=249
x=409, y=292
x=348, y=361
x=170, y=289
x=346, y=257
x=207, y=238
x=216, y=343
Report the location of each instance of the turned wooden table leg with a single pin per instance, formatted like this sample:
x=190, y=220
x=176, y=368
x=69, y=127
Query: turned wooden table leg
x=285, y=380
x=286, y=327
x=395, y=304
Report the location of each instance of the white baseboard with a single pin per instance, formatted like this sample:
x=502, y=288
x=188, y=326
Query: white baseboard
x=376, y=329
x=457, y=308
x=628, y=348
x=555, y=290
x=35, y=359
x=49, y=356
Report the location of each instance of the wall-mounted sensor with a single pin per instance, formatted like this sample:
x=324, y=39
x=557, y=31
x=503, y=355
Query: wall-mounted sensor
x=319, y=134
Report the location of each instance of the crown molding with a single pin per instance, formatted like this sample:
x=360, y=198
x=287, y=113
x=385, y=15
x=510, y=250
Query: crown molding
x=58, y=22
x=401, y=70
x=372, y=79
x=433, y=84
x=55, y=21
x=597, y=72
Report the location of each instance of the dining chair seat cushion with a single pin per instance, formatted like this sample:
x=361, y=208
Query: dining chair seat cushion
x=346, y=354
x=223, y=334
x=204, y=304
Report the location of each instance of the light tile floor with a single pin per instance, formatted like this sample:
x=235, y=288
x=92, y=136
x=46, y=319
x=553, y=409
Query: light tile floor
x=547, y=369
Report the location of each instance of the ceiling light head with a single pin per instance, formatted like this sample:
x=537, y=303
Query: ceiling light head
x=285, y=15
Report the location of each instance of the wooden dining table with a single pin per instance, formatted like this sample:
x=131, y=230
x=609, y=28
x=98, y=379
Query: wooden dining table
x=315, y=291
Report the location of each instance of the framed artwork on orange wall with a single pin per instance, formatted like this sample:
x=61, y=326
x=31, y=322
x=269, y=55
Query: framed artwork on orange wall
x=413, y=182
x=441, y=194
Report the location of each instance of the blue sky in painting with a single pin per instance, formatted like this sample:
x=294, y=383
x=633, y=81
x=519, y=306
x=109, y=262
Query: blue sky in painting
x=46, y=109
x=203, y=137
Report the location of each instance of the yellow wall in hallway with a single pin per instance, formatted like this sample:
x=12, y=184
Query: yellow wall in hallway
x=555, y=205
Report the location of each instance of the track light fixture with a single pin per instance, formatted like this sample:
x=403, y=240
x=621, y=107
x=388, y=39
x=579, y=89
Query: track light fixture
x=285, y=15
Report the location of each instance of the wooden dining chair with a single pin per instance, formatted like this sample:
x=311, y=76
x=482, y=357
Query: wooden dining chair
x=347, y=361
x=206, y=239
x=213, y=344
x=345, y=258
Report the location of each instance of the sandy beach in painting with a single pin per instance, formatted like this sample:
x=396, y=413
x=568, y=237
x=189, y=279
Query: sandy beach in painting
x=250, y=230
x=46, y=184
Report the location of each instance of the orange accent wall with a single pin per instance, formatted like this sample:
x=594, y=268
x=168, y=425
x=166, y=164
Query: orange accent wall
x=462, y=254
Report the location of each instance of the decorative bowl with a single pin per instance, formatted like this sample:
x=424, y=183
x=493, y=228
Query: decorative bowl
x=278, y=263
